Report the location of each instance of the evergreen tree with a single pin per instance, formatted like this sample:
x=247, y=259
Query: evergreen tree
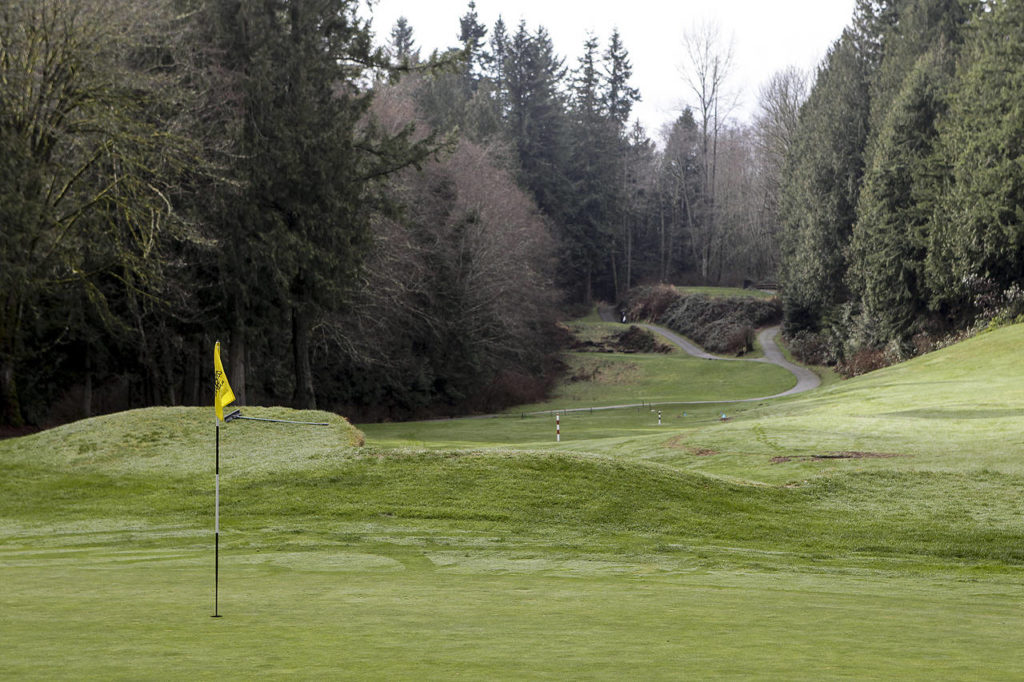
x=471, y=37
x=896, y=206
x=619, y=96
x=499, y=58
x=593, y=173
x=978, y=231
x=403, y=46
x=536, y=118
x=821, y=186
x=304, y=165
x=680, y=184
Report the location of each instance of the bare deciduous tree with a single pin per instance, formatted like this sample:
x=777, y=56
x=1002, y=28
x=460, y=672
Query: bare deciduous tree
x=775, y=123
x=708, y=68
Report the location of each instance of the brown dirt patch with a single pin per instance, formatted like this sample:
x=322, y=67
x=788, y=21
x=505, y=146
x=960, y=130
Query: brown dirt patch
x=846, y=454
x=851, y=454
x=677, y=443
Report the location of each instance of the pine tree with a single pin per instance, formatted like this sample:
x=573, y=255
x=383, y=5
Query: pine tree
x=471, y=37
x=680, y=185
x=619, y=96
x=593, y=173
x=499, y=58
x=304, y=164
x=402, y=43
x=979, y=226
x=896, y=206
x=821, y=187
x=536, y=117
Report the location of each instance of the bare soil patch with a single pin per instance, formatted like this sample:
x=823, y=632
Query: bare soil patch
x=677, y=443
x=846, y=454
x=851, y=454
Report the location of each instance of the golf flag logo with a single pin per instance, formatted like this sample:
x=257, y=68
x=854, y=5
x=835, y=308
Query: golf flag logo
x=222, y=393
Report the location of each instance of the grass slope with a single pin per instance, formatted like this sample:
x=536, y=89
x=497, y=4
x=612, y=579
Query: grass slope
x=595, y=379
x=954, y=411
x=629, y=550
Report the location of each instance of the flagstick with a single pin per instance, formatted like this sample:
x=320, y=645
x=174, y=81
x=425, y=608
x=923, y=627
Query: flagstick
x=216, y=530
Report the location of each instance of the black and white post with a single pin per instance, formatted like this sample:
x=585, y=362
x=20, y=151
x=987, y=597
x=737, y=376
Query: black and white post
x=216, y=529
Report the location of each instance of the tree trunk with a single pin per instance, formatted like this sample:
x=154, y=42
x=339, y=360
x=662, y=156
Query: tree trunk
x=10, y=408
x=304, y=398
x=236, y=359
x=629, y=255
x=170, y=395
x=588, y=295
x=190, y=389
x=615, y=277
x=87, y=388
x=663, y=269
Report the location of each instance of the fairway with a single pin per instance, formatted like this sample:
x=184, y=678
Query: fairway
x=872, y=528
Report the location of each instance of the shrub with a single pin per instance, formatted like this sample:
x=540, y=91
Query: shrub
x=650, y=302
x=810, y=348
x=721, y=325
x=864, y=361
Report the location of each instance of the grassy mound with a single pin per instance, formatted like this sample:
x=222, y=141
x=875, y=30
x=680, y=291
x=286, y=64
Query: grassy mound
x=153, y=467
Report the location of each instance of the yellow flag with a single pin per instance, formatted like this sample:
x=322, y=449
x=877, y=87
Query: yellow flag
x=222, y=393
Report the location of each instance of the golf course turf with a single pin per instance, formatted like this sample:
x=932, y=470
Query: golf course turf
x=870, y=529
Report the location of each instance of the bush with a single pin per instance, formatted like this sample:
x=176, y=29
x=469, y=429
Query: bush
x=637, y=340
x=863, y=361
x=810, y=348
x=649, y=303
x=721, y=325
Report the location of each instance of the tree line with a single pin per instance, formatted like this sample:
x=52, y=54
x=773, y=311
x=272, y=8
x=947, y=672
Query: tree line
x=385, y=233
x=178, y=171
x=901, y=197
x=367, y=229
x=701, y=207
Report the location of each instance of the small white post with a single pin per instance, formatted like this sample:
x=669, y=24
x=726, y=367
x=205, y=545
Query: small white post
x=659, y=417
x=558, y=429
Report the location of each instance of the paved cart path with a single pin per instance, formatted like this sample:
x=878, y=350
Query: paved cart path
x=805, y=378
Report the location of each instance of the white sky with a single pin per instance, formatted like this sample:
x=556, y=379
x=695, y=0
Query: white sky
x=767, y=35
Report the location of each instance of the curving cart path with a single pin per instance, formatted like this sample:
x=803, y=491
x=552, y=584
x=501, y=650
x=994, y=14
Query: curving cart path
x=805, y=378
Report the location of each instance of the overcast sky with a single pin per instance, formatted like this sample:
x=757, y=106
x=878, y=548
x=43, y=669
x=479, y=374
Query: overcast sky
x=767, y=35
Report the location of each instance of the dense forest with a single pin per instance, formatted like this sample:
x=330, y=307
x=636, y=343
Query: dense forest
x=386, y=233
x=902, y=201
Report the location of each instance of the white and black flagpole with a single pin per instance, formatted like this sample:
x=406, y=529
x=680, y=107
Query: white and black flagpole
x=216, y=529
x=222, y=396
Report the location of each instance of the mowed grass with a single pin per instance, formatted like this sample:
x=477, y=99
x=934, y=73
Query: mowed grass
x=472, y=548
x=955, y=411
x=727, y=292
x=598, y=379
